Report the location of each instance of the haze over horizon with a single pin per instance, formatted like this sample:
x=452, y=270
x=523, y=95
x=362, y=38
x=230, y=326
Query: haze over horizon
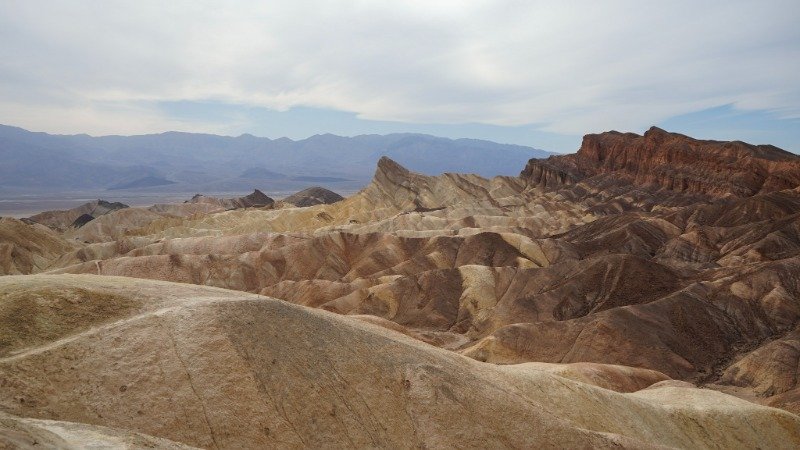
x=523, y=73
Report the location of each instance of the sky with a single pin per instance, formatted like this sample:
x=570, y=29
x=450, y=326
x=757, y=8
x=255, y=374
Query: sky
x=537, y=73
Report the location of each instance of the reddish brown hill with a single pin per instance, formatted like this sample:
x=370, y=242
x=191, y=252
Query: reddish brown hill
x=670, y=161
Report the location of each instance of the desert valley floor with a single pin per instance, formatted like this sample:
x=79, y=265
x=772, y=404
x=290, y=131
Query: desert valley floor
x=643, y=292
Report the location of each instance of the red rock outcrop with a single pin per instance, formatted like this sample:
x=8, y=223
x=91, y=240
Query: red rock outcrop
x=674, y=162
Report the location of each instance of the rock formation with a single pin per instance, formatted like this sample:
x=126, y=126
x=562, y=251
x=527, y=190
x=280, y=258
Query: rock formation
x=78, y=216
x=671, y=161
x=646, y=265
x=255, y=200
x=29, y=248
x=313, y=196
x=219, y=369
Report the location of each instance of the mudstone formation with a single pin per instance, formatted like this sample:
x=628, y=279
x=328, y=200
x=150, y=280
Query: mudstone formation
x=642, y=292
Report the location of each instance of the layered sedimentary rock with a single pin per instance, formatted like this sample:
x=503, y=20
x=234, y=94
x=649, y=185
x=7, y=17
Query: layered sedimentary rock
x=29, y=247
x=256, y=199
x=218, y=369
x=78, y=216
x=654, y=260
x=671, y=161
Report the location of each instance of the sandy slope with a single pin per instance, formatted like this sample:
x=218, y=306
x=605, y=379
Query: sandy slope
x=33, y=434
x=222, y=369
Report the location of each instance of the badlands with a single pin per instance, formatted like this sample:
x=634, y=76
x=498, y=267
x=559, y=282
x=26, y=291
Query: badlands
x=643, y=292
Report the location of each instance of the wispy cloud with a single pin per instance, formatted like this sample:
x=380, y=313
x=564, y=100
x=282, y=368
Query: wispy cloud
x=572, y=67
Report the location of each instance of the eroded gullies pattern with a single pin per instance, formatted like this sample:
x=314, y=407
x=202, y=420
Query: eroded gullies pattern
x=638, y=259
x=217, y=368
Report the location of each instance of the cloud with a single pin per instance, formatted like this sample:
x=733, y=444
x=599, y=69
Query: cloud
x=571, y=67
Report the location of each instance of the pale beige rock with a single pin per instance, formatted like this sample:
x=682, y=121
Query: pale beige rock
x=608, y=376
x=221, y=369
x=31, y=434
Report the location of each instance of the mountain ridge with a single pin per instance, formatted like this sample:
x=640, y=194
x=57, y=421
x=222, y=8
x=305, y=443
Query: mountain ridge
x=216, y=163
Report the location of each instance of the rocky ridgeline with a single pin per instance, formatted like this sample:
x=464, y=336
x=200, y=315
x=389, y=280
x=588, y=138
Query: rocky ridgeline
x=671, y=161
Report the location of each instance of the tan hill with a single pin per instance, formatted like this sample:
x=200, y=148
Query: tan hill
x=403, y=202
x=78, y=216
x=33, y=434
x=119, y=224
x=220, y=369
x=29, y=247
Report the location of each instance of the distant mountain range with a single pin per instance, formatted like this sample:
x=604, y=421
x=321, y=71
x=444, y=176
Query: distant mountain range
x=177, y=162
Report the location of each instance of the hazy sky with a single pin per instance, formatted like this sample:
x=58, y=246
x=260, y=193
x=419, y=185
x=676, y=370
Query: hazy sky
x=528, y=72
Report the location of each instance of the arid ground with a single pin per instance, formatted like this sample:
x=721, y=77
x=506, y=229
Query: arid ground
x=643, y=292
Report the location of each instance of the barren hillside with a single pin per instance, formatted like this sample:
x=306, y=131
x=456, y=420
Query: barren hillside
x=644, y=291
